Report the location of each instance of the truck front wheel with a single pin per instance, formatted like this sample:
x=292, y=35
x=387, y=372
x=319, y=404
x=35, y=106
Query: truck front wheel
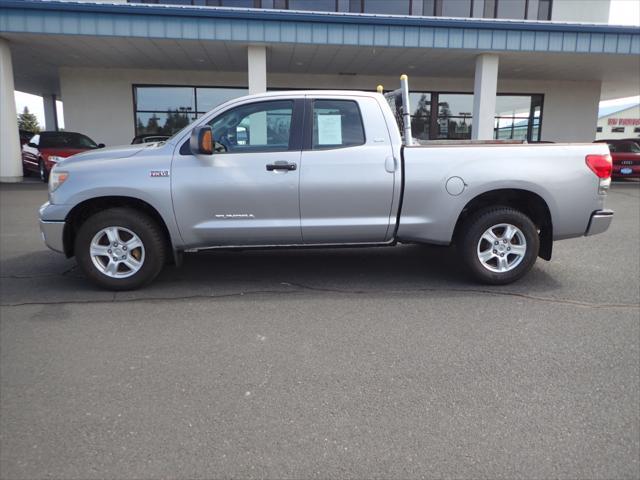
x=499, y=245
x=120, y=249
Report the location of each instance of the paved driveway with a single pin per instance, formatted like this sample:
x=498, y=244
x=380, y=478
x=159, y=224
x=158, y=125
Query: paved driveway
x=382, y=363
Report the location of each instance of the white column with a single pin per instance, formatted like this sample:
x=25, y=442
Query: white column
x=50, y=112
x=485, y=87
x=257, y=61
x=10, y=161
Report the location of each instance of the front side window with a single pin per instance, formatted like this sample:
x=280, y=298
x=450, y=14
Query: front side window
x=35, y=140
x=336, y=123
x=257, y=127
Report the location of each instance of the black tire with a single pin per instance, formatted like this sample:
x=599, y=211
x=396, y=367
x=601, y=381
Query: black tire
x=43, y=172
x=470, y=237
x=147, y=230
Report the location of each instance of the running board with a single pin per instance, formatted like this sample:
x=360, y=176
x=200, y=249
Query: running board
x=293, y=245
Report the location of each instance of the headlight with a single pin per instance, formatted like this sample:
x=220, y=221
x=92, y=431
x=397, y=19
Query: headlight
x=54, y=159
x=57, y=178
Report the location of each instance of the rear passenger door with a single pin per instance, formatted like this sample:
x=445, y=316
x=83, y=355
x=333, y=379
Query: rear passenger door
x=346, y=183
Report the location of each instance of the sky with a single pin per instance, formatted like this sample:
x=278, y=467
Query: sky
x=622, y=12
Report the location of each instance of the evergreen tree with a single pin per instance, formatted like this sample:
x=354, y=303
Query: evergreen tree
x=28, y=121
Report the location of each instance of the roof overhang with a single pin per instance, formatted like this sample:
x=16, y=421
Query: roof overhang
x=280, y=26
x=47, y=35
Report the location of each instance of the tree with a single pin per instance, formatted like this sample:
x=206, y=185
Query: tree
x=28, y=121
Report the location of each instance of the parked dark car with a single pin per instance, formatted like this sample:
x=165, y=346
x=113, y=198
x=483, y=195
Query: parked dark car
x=45, y=149
x=149, y=138
x=626, y=158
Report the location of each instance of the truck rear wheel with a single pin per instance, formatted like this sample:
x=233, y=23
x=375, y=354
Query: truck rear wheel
x=499, y=245
x=120, y=249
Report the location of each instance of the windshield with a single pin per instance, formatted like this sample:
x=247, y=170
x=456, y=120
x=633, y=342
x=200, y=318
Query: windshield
x=627, y=147
x=66, y=140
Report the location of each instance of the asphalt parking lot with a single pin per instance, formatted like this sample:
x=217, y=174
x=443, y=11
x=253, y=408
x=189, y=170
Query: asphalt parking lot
x=376, y=363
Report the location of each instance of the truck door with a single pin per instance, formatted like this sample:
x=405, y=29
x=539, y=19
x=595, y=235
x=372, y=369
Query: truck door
x=246, y=193
x=347, y=172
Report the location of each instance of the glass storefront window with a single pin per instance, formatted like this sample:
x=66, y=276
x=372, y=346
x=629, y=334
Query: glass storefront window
x=455, y=111
x=513, y=9
x=518, y=105
x=166, y=123
x=421, y=115
x=395, y=7
x=209, y=98
x=457, y=8
x=518, y=117
x=164, y=110
x=510, y=9
x=315, y=5
x=165, y=98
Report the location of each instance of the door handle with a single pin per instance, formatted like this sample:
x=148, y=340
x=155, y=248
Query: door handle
x=280, y=165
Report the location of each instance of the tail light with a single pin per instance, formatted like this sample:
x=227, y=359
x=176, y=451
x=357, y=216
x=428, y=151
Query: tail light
x=601, y=165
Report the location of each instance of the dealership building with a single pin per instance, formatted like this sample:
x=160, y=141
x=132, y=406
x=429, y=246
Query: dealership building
x=533, y=70
x=623, y=123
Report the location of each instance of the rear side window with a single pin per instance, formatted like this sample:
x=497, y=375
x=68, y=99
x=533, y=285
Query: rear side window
x=336, y=124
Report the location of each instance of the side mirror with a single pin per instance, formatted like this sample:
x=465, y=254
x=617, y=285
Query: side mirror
x=201, y=141
x=101, y=145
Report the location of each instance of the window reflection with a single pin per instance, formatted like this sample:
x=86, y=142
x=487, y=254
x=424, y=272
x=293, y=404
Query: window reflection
x=209, y=98
x=165, y=110
x=162, y=123
x=395, y=7
x=514, y=9
x=317, y=5
x=457, y=8
x=421, y=115
x=165, y=98
x=511, y=9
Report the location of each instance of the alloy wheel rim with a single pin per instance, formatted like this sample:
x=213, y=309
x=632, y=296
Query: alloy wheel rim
x=502, y=248
x=117, y=252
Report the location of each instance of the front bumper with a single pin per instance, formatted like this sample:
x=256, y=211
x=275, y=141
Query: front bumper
x=52, y=227
x=599, y=222
x=52, y=233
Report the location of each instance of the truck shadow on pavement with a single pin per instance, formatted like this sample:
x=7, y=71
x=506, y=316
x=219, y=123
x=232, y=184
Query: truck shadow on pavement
x=46, y=277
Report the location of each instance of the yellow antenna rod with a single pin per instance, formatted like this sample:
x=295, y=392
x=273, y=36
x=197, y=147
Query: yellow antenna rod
x=380, y=89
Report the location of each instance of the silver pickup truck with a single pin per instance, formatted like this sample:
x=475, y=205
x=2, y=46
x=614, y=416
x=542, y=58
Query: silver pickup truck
x=325, y=169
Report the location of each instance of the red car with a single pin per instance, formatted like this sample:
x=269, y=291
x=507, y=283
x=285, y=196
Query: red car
x=626, y=158
x=45, y=149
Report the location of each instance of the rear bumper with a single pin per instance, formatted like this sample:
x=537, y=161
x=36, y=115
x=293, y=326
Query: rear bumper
x=599, y=222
